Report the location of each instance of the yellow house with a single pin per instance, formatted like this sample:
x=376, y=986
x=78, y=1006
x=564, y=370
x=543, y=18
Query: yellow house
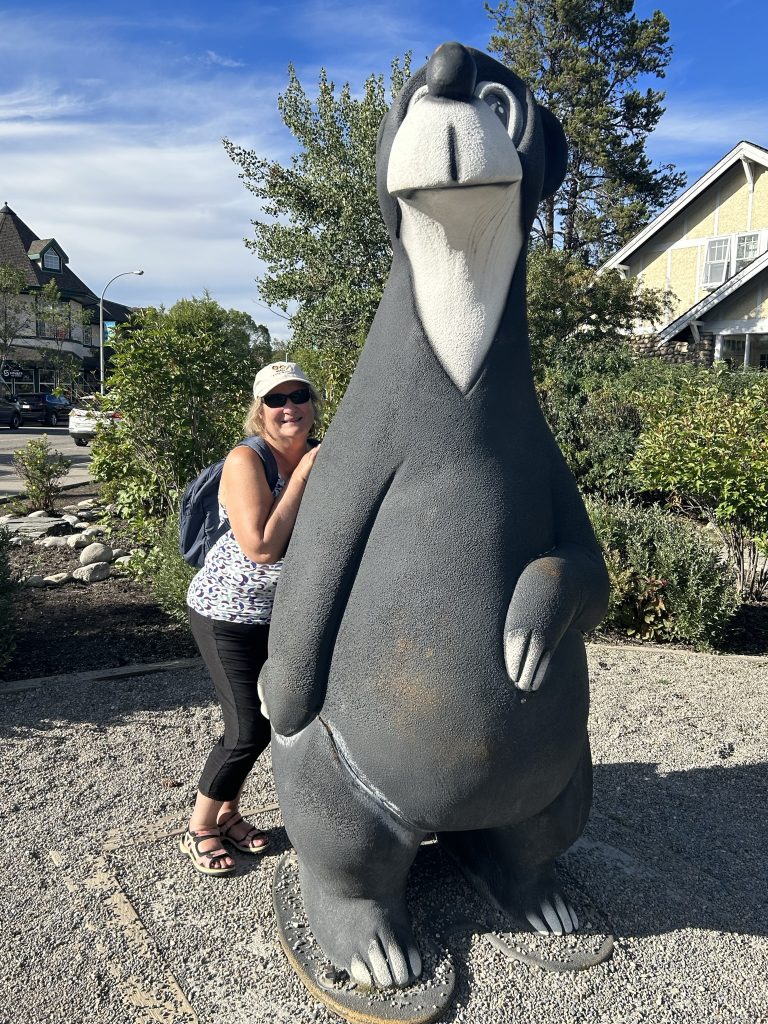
x=709, y=248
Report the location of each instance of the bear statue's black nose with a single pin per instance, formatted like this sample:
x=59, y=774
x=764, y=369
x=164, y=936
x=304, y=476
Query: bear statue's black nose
x=451, y=72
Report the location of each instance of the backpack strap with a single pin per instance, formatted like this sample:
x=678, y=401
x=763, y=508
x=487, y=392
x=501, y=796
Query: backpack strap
x=262, y=449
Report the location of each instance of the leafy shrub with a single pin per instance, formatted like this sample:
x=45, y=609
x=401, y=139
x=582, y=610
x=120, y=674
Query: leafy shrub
x=705, y=447
x=668, y=581
x=163, y=570
x=7, y=608
x=182, y=380
x=41, y=469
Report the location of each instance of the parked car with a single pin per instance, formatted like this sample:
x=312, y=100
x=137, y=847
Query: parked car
x=83, y=423
x=48, y=409
x=10, y=411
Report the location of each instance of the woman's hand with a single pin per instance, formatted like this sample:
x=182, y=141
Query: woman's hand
x=304, y=468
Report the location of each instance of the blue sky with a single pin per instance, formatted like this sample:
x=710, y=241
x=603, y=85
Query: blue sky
x=112, y=114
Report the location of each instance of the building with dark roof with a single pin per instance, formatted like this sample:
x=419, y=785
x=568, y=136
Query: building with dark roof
x=29, y=365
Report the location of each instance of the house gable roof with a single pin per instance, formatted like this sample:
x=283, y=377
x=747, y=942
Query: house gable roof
x=726, y=289
x=20, y=247
x=744, y=151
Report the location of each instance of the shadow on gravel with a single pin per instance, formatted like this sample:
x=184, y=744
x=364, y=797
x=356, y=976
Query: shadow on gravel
x=685, y=849
x=103, y=703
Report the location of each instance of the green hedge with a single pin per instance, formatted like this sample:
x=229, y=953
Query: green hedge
x=164, y=571
x=668, y=581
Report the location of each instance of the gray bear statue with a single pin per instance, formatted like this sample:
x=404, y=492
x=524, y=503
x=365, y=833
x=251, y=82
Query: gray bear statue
x=427, y=671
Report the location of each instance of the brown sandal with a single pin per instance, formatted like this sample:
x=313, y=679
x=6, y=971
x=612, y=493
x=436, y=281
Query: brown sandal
x=254, y=841
x=204, y=860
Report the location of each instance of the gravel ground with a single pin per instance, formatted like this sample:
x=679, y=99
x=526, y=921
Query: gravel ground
x=104, y=922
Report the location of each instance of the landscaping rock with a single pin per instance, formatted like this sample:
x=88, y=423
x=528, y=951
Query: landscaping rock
x=71, y=508
x=37, y=526
x=93, y=572
x=93, y=531
x=57, y=579
x=77, y=540
x=122, y=561
x=87, y=503
x=95, y=553
x=87, y=516
x=119, y=553
x=68, y=517
x=35, y=580
x=5, y=519
x=38, y=514
x=52, y=542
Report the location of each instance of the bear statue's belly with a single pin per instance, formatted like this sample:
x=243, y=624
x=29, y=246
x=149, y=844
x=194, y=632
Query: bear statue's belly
x=418, y=695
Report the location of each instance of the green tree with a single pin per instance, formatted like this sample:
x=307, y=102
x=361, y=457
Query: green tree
x=182, y=380
x=706, y=446
x=583, y=59
x=322, y=238
x=581, y=325
x=60, y=318
x=15, y=309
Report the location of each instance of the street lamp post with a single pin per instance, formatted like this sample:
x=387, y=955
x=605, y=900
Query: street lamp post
x=125, y=273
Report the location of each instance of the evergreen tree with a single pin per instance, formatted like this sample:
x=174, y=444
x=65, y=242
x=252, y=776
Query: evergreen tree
x=584, y=60
x=322, y=237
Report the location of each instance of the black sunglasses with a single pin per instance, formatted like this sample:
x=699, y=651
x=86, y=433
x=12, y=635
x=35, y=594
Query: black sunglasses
x=298, y=397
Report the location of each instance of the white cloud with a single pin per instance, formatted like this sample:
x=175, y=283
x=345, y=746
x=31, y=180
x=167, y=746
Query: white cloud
x=211, y=57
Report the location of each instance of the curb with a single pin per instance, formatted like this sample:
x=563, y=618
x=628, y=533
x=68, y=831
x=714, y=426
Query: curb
x=100, y=675
x=63, y=487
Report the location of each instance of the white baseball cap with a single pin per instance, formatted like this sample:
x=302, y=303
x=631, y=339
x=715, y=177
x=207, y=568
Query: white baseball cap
x=270, y=376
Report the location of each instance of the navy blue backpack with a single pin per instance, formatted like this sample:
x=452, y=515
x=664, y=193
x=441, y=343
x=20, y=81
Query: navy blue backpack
x=199, y=524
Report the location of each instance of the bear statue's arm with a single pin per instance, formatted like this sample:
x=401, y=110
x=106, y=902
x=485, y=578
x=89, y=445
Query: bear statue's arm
x=567, y=587
x=335, y=518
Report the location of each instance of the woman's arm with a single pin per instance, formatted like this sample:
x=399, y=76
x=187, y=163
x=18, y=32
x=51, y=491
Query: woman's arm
x=262, y=525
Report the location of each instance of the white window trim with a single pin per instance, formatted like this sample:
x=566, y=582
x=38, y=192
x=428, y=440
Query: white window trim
x=730, y=262
x=53, y=253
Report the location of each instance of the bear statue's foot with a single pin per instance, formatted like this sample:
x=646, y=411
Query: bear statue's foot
x=542, y=903
x=372, y=942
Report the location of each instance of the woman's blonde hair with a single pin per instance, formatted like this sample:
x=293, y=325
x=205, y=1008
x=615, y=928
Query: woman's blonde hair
x=254, y=418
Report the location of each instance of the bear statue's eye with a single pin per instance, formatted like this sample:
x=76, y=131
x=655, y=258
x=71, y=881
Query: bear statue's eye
x=497, y=104
x=505, y=105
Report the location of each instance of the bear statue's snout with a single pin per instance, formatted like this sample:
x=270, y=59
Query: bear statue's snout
x=451, y=72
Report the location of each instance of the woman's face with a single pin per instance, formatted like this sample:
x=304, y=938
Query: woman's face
x=289, y=421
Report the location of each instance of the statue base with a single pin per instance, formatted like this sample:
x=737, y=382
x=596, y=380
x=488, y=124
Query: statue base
x=425, y=1000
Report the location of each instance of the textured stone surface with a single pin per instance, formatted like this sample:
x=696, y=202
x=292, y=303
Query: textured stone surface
x=58, y=578
x=94, y=572
x=120, y=553
x=51, y=542
x=35, y=580
x=95, y=552
x=77, y=540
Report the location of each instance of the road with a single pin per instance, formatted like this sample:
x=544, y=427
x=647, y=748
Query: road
x=12, y=440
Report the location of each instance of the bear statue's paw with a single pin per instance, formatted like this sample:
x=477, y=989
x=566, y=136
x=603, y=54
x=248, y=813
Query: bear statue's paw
x=374, y=945
x=546, y=909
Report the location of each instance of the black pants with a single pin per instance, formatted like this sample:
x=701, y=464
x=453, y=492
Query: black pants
x=233, y=653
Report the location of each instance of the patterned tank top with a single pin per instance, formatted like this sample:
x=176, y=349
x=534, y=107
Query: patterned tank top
x=232, y=588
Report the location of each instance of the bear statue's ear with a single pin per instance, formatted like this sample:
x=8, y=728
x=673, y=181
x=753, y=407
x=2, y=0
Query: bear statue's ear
x=555, y=152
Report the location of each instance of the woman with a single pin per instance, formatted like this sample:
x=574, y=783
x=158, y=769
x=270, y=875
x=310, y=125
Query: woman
x=230, y=604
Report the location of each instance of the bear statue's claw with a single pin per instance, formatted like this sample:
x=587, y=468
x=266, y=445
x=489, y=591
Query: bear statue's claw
x=554, y=916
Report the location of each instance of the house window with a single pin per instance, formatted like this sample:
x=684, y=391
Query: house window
x=716, y=265
x=747, y=249
x=51, y=260
x=764, y=360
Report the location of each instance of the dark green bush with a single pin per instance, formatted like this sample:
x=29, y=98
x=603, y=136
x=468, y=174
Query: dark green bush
x=668, y=580
x=162, y=569
x=7, y=604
